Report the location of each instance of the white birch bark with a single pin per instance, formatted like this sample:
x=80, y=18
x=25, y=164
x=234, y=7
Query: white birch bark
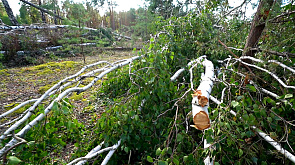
x=177, y=73
x=200, y=103
x=201, y=96
x=96, y=151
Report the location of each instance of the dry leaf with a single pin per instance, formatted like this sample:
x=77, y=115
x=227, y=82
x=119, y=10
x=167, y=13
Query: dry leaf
x=197, y=93
x=248, y=140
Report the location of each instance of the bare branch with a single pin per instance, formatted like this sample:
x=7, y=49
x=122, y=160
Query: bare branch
x=226, y=14
x=96, y=151
x=177, y=73
x=270, y=73
x=49, y=92
x=274, y=52
x=18, y=107
x=279, y=16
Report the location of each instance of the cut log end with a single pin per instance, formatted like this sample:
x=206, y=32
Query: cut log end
x=201, y=121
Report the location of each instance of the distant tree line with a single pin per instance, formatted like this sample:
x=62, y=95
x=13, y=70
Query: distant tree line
x=135, y=21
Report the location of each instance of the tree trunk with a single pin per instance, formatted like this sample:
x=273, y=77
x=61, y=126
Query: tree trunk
x=10, y=13
x=40, y=8
x=55, y=20
x=112, y=21
x=257, y=26
x=42, y=13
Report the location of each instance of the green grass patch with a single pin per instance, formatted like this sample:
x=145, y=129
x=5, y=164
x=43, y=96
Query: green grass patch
x=51, y=66
x=12, y=105
x=4, y=72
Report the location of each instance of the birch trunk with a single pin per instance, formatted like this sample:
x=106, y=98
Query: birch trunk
x=200, y=104
x=201, y=96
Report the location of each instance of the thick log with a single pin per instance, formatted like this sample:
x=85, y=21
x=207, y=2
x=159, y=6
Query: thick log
x=54, y=27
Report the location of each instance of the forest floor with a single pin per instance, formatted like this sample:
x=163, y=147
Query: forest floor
x=23, y=83
x=19, y=84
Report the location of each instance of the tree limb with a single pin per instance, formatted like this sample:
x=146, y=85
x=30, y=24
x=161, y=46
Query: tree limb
x=44, y=10
x=22, y=141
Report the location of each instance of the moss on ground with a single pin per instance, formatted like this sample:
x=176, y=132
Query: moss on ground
x=4, y=72
x=12, y=105
x=51, y=66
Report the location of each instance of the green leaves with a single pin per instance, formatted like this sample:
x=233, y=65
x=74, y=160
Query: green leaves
x=150, y=159
x=240, y=152
x=234, y=104
x=162, y=162
x=179, y=137
x=13, y=160
x=158, y=151
x=251, y=87
x=287, y=96
x=269, y=100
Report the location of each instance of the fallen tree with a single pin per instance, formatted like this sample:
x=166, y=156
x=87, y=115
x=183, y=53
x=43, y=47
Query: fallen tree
x=251, y=124
x=45, y=26
x=51, y=91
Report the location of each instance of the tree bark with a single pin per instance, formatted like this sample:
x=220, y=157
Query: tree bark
x=40, y=8
x=10, y=13
x=42, y=13
x=112, y=21
x=257, y=26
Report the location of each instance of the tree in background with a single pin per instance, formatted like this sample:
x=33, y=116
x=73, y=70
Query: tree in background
x=24, y=15
x=143, y=26
x=94, y=18
x=165, y=8
x=42, y=13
